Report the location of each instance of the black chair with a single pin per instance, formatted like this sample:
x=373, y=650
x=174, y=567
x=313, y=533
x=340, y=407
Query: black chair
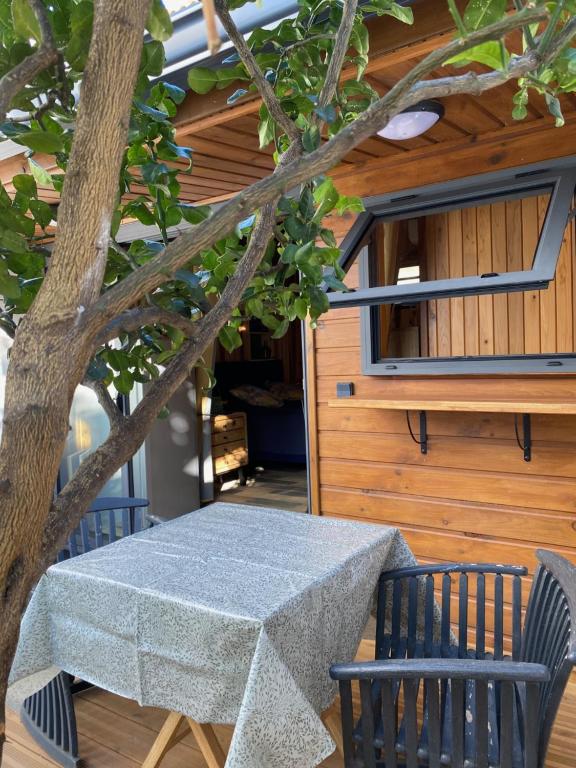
x=49, y=713
x=432, y=698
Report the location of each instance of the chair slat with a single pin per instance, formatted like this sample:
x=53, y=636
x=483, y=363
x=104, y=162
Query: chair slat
x=98, y=529
x=126, y=523
x=445, y=620
x=457, y=731
x=432, y=696
x=347, y=722
x=367, y=724
x=480, y=616
x=498, y=617
x=531, y=725
x=412, y=616
x=389, y=723
x=429, y=616
x=481, y=723
x=516, y=617
x=411, y=722
x=112, y=525
x=463, y=616
x=384, y=588
x=506, y=723
x=85, y=535
x=396, y=616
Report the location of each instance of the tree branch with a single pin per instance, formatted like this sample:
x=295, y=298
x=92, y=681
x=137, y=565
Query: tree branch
x=121, y=445
x=115, y=416
x=160, y=268
x=339, y=53
x=134, y=319
x=265, y=88
x=19, y=76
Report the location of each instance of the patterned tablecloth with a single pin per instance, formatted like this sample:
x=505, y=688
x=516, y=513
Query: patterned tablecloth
x=230, y=614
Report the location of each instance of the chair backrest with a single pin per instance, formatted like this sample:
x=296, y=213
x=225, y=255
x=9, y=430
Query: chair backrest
x=107, y=521
x=426, y=610
x=550, y=634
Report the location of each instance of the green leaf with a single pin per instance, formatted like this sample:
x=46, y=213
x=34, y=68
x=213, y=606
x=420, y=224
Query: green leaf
x=202, y=80
x=301, y=308
x=266, y=131
x=311, y=138
x=326, y=197
x=137, y=155
x=238, y=94
x=124, y=382
x=159, y=23
x=492, y=54
x=480, y=13
x=229, y=75
x=9, y=284
x=26, y=24
x=81, y=21
x=142, y=213
x=332, y=282
x=40, y=174
x=403, y=13
x=282, y=329
x=519, y=112
x=26, y=184
x=555, y=109
x=230, y=338
x=155, y=114
x=41, y=141
x=12, y=241
x=328, y=113
x=153, y=58
x=167, y=150
x=360, y=39
x=97, y=370
x=194, y=214
x=42, y=212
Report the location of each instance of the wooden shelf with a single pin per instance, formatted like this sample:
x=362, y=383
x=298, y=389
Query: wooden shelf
x=473, y=406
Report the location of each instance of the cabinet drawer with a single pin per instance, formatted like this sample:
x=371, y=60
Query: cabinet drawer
x=228, y=423
x=225, y=438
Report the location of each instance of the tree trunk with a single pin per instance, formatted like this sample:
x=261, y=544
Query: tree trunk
x=51, y=351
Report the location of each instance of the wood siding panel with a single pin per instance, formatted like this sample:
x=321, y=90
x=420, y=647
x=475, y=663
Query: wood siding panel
x=472, y=497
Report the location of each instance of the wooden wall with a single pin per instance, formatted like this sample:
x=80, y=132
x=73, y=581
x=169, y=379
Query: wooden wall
x=501, y=237
x=472, y=497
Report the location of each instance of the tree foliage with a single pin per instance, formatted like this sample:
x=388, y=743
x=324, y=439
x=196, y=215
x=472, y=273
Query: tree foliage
x=303, y=256
x=83, y=305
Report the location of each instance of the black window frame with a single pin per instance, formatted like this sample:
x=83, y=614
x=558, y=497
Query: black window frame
x=560, y=176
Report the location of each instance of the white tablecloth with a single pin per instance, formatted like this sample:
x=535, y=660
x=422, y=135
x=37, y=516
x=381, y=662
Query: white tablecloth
x=230, y=614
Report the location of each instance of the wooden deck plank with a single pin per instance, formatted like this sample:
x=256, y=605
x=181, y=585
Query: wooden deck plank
x=116, y=733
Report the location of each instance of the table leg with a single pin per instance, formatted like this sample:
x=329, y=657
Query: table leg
x=331, y=719
x=208, y=743
x=166, y=739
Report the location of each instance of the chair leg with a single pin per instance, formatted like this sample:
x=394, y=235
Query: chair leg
x=166, y=739
x=208, y=743
x=331, y=719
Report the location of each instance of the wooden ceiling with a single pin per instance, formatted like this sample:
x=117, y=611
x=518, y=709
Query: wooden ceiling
x=227, y=157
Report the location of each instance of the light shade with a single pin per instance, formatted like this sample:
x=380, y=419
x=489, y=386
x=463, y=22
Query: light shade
x=413, y=121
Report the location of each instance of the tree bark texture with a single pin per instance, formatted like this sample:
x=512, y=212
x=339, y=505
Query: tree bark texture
x=50, y=353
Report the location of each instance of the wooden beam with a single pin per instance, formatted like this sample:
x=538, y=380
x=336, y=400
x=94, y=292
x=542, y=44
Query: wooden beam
x=505, y=148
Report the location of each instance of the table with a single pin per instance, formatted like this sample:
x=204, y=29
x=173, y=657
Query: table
x=230, y=614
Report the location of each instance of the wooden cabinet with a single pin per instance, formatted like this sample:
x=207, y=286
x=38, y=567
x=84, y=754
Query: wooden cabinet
x=229, y=442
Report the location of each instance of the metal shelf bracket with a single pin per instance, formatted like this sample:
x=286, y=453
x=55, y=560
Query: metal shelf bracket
x=423, y=441
x=526, y=442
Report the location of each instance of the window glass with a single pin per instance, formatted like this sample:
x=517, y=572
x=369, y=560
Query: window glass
x=496, y=237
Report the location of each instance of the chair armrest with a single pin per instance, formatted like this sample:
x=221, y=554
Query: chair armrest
x=454, y=568
x=442, y=669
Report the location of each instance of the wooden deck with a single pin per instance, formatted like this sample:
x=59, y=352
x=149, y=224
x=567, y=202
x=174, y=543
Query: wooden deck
x=117, y=733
